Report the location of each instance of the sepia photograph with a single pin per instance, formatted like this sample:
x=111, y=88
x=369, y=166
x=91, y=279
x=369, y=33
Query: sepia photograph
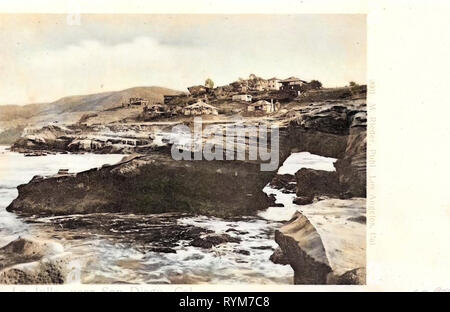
x=183, y=149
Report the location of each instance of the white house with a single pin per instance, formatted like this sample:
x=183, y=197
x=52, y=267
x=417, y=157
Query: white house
x=274, y=83
x=242, y=97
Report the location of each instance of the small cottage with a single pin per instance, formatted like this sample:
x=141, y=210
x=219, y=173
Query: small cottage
x=199, y=108
x=262, y=105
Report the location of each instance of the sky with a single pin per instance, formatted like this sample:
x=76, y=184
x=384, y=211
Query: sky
x=46, y=57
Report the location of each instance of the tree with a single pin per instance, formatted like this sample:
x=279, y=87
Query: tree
x=315, y=84
x=209, y=83
x=353, y=84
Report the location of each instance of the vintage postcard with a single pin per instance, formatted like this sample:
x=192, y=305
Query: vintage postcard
x=160, y=149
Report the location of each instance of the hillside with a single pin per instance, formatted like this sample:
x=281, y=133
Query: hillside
x=83, y=103
x=69, y=109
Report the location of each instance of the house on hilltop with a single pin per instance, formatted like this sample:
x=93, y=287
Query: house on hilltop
x=292, y=85
x=274, y=83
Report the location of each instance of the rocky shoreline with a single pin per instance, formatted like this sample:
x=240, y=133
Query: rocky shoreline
x=152, y=182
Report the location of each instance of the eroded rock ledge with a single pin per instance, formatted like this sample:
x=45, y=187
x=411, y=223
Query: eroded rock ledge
x=325, y=243
x=150, y=184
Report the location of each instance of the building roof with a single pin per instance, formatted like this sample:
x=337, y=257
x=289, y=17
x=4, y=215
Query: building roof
x=292, y=79
x=273, y=78
x=200, y=104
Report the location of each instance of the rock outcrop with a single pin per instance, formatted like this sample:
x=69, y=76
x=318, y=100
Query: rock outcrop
x=312, y=182
x=79, y=138
x=352, y=167
x=209, y=241
x=284, y=182
x=25, y=261
x=303, y=248
x=150, y=184
x=324, y=244
x=335, y=130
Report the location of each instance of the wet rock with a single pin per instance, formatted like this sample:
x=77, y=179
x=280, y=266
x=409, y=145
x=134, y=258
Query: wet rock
x=284, y=182
x=312, y=182
x=241, y=261
x=359, y=219
x=209, y=241
x=236, y=231
x=345, y=195
x=25, y=250
x=151, y=184
x=303, y=200
x=321, y=245
x=25, y=261
x=272, y=200
x=304, y=251
x=278, y=257
x=262, y=247
x=243, y=252
x=351, y=169
x=162, y=249
x=158, y=232
x=194, y=257
x=353, y=277
x=43, y=273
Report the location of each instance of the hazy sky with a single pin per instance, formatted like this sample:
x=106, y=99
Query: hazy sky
x=43, y=57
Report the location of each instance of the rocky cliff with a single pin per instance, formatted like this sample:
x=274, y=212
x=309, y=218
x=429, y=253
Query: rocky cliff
x=324, y=243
